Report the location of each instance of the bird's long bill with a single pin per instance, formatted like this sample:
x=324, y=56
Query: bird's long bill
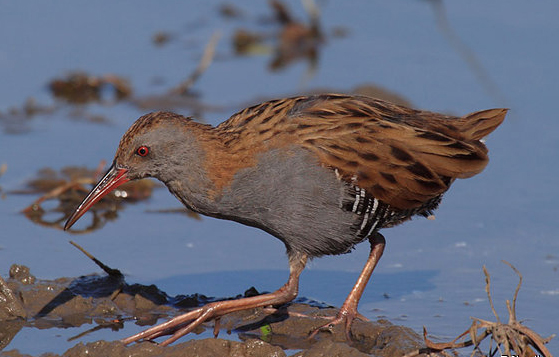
x=112, y=179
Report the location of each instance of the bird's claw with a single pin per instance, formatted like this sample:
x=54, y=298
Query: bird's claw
x=344, y=316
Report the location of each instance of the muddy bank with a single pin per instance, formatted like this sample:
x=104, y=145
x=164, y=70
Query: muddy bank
x=109, y=302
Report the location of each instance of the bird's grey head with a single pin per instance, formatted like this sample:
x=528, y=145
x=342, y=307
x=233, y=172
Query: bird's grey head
x=161, y=145
x=155, y=144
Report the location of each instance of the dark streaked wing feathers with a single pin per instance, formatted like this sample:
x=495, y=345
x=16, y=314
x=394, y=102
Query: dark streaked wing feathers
x=401, y=156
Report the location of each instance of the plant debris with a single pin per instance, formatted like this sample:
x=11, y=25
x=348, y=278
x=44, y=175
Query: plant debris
x=3, y=169
x=80, y=87
x=230, y=10
x=161, y=38
x=110, y=271
x=69, y=187
x=293, y=41
x=72, y=184
x=510, y=339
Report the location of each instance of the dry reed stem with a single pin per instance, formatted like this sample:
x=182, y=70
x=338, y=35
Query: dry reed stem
x=510, y=339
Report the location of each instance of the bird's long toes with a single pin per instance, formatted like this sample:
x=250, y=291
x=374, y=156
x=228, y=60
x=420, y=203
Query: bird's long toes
x=328, y=327
x=344, y=317
x=174, y=326
x=207, y=312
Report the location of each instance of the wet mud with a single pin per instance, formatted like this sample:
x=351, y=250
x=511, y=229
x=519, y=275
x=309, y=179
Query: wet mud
x=108, y=302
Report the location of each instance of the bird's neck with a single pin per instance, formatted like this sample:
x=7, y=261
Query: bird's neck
x=206, y=167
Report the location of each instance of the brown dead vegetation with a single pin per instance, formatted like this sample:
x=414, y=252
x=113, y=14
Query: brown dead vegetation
x=505, y=339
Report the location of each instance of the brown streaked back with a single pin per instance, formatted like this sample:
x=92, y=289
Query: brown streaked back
x=401, y=156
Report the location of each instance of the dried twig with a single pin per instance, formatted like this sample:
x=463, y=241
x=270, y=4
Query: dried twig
x=59, y=190
x=56, y=192
x=204, y=63
x=69, y=187
x=115, y=273
x=3, y=169
x=112, y=272
x=511, y=338
x=512, y=312
x=488, y=291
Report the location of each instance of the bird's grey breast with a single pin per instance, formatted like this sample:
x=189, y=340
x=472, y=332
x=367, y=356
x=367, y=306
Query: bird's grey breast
x=289, y=194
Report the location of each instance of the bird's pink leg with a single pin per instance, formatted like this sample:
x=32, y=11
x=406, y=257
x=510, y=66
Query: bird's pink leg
x=348, y=311
x=183, y=324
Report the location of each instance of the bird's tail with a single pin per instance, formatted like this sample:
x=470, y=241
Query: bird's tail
x=477, y=125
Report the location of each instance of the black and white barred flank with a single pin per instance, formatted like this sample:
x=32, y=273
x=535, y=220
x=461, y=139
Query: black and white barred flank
x=375, y=214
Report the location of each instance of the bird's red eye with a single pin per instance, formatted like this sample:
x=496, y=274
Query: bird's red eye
x=142, y=151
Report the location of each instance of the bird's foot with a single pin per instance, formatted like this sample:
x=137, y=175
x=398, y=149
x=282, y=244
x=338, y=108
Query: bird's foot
x=178, y=326
x=345, y=316
x=186, y=323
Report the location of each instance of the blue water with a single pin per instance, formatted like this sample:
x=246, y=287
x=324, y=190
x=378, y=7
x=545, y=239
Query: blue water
x=480, y=55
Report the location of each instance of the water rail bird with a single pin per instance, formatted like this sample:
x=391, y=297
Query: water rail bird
x=321, y=173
